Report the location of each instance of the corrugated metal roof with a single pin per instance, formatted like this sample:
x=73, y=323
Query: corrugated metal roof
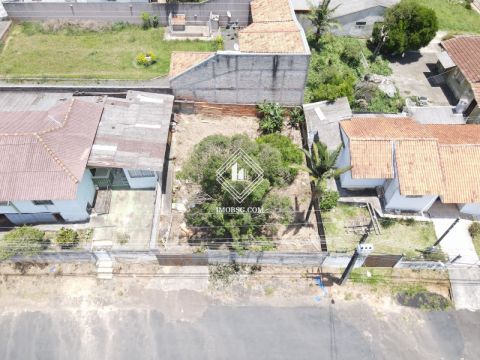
x=323, y=121
x=133, y=132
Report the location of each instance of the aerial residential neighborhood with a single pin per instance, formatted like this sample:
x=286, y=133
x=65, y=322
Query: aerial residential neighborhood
x=241, y=179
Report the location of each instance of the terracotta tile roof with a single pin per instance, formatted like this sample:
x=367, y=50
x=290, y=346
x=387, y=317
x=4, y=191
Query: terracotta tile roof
x=429, y=159
x=465, y=52
x=270, y=10
x=273, y=30
x=383, y=128
x=371, y=159
x=418, y=167
x=272, y=37
x=455, y=134
x=461, y=168
x=181, y=61
x=44, y=153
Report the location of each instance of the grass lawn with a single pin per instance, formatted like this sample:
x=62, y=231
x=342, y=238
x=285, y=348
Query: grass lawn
x=107, y=54
x=397, y=236
x=454, y=17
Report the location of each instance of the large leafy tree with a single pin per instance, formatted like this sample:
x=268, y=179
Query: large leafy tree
x=407, y=26
x=321, y=17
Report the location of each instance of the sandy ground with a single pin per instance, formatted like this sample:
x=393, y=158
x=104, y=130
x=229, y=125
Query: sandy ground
x=190, y=130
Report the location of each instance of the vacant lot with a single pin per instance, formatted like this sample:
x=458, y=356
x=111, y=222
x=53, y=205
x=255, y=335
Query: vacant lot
x=397, y=236
x=31, y=52
x=453, y=16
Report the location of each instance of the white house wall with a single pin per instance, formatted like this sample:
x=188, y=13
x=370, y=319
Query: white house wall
x=142, y=182
x=70, y=210
x=395, y=201
x=346, y=179
x=471, y=209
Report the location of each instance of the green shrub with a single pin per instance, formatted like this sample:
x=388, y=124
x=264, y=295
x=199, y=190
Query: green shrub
x=290, y=155
x=352, y=54
x=218, y=43
x=474, y=229
x=66, y=238
x=271, y=117
x=146, y=59
x=155, y=21
x=296, y=117
x=24, y=240
x=329, y=200
x=387, y=222
x=146, y=21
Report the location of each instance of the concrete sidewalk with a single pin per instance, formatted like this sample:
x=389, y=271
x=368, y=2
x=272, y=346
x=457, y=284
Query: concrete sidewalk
x=464, y=274
x=457, y=242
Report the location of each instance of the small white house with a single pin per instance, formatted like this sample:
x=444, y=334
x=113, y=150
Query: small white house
x=354, y=17
x=58, y=150
x=413, y=165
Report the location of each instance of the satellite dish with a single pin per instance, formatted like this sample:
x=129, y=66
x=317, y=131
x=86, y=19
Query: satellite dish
x=229, y=14
x=236, y=47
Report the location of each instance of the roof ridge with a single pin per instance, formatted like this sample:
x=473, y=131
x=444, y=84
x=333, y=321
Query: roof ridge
x=65, y=118
x=64, y=122
x=56, y=158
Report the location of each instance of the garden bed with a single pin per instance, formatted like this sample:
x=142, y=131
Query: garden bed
x=33, y=51
x=397, y=236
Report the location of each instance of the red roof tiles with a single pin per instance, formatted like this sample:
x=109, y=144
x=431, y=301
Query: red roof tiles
x=44, y=153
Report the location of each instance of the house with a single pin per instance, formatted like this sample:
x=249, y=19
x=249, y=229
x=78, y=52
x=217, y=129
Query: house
x=354, y=17
x=460, y=65
x=267, y=60
x=58, y=150
x=413, y=165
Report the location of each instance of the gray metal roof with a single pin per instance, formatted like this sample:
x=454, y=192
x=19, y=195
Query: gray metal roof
x=322, y=121
x=435, y=114
x=133, y=132
x=446, y=60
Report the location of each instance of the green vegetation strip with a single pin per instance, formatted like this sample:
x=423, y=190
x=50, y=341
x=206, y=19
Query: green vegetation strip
x=397, y=236
x=32, y=51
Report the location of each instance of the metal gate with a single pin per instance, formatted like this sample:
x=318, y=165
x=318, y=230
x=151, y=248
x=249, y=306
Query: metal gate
x=382, y=260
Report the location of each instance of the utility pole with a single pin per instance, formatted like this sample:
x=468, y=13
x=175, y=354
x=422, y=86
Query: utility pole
x=383, y=39
x=358, y=251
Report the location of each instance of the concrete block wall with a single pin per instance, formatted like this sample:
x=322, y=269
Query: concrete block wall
x=109, y=11
x=239, y=78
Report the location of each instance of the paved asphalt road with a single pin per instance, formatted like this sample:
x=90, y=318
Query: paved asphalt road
x=348, y=331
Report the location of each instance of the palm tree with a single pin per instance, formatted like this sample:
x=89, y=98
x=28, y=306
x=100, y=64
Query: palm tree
x=321, y=167
x=321, y=18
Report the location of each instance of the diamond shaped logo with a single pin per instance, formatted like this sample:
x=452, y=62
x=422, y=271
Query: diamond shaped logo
x=239, y=175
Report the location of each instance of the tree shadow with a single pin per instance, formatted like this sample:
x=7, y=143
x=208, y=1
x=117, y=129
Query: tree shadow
x=298, y=220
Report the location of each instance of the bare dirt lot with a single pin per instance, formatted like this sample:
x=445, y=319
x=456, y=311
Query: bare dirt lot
x=190, y=130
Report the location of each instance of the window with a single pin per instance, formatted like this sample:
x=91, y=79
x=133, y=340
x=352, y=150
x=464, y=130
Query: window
x=42, y=202
x=4, y=203
x=360, y=24
x=140, y=173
